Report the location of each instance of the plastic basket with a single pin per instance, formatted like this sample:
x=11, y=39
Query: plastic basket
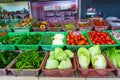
x=113, y=25
x=91, y=72
x=55, y=29
x=4, y=71
x=59, y=72
x=69, y=22
x=99, y=27
x=52, y=47
x=117, y=70
x=104, y=46
x=38, y=29
x=76, y=47
x=84, y=21
x=5, y=30
x=9, y=22
x=28, y=46
x=23, y=29
x=24, y=72
x=10, y=46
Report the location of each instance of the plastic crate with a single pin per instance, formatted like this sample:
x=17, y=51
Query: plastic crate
x=58, y=72
x=52, y=47
x=91, y=72
x=104, y=46
x=38, y=29
x=76, y=47
x=9, y=22
x=10, y=46
x=28, y=46
x=24, y=72
x=117, y=70
x=23, y=29
x=69, y=22
x=99, y=27
x=4, y=71
x=114, y=25
x=84, y=21
x=5, y=30
x=55, y=29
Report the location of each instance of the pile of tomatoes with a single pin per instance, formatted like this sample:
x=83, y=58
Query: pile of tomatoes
x=100, y=37
x=75, y=38
x=99, y=23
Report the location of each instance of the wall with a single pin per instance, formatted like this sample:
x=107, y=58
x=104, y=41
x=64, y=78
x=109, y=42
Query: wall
x=108, y=7
x=14, y=6
x=38, y=7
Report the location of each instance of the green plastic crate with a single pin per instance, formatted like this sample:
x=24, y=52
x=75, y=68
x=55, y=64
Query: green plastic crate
x=104, y=46
x=23, y=29
x=10, y=46
x=28, y=46
x=10, y=22
x=52, y=47
x=76, y=47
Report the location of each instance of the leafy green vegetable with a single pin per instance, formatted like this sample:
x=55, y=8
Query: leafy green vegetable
x=52, y=63
x=117, y=58
x=65, y=64
x=31, y=39
x=6, y=57
x=94, y=50
x=84, y=57
x=61, y=56
x=112, y=53
x=70, y=54
x=29, y=60
x=99, y=62
x=60, y=59
x=47, y=39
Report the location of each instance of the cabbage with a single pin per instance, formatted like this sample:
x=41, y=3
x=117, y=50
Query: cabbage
x=65, y=64
x=52, y=63
x=59, y=36
x=99, y=62
x=57, y=42
x=84, y=57
x=52, y=53
x=83, y=51
x=84, y=61
x=58, y=50
x=94, y=50
x=61, y=56
x=70, y=54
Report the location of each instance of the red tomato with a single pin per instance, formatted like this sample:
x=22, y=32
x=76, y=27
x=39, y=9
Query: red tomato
x=87, y=43
x=68, y=42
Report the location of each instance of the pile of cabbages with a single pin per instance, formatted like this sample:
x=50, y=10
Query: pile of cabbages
x=59, y=59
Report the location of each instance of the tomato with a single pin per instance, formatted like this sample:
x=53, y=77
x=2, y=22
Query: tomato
x=93, y=42
x=68, y=42
x=112, y=41
x=79, y=37
x=71, y=40
x=72, y=43
x=87, y=43
x=72, y=36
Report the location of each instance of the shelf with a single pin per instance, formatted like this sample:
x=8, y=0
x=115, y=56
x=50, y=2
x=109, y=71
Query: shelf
x=59, y=10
